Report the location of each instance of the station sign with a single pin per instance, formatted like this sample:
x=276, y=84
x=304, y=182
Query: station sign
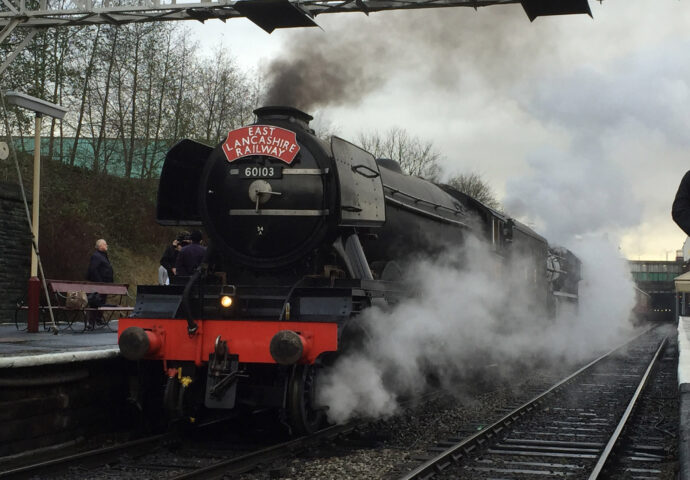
x=265, y=140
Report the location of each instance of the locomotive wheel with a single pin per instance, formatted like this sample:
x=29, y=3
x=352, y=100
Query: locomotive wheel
x=303, y=415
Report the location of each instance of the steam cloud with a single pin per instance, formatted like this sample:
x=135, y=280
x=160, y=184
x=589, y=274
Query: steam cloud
x=569, y=195
x=465, y=318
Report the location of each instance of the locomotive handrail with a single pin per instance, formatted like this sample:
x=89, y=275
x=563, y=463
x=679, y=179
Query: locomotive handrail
x=306, y=171
x=421, y=200
x=285, y=309
x=425, y=213
x=192, y=326
x=277, y=212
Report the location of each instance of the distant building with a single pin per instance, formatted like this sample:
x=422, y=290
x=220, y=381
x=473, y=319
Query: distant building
x=655, y=277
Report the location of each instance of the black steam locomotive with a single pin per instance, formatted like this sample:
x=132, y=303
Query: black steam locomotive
x=304, y=235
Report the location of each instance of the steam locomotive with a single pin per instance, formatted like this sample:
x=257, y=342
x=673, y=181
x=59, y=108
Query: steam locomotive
x=304, y=234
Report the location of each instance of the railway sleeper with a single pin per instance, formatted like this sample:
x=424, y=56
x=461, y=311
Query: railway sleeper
x=534, y=453
x=539, y=448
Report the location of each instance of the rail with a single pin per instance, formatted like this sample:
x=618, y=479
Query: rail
x=463, y=448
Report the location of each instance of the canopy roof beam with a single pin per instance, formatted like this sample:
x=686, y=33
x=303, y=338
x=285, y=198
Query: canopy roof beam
x=96, y=12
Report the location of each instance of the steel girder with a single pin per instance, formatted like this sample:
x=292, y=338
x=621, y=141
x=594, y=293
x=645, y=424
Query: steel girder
x=268, y=14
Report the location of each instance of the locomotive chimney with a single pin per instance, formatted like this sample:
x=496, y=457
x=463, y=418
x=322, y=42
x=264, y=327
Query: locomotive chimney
x=286, y=114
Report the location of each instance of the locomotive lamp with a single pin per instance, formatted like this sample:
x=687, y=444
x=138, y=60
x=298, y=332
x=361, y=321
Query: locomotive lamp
x=227, y=292
x=226, y=301
x=40, y=108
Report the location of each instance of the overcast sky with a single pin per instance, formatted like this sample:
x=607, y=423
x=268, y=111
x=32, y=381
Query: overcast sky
x=580, y=125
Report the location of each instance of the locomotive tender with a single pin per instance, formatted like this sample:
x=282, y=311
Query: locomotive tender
x=303, y=235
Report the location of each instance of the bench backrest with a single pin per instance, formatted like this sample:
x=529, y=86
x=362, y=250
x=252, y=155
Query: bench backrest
x=64, y=286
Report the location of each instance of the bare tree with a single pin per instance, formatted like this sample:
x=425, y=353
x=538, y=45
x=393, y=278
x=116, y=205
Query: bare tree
x=415, y=156
x=183, y=108
x=39, y=70
x=126, y=103
x=101, y=100
x=222, y=96
x=473, y=185
x=57, y=66
x=129, y=100
x=88, y=72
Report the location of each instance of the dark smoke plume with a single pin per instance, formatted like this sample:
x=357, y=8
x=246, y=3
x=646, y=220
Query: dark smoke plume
x=355, y=55
x=314, y=80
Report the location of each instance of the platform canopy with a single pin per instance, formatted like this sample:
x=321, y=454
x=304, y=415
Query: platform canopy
x=682, y=282
x=267, y=14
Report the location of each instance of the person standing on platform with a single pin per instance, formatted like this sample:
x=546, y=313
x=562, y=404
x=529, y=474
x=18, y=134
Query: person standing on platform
x=681, y=205
x=166, y=270
x=191, y=256
x=100, y=270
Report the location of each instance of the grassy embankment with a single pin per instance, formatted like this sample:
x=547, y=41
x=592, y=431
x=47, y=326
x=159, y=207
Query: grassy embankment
x=78, y=207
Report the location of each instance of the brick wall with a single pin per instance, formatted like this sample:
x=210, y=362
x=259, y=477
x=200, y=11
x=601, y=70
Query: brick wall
x=15, y=252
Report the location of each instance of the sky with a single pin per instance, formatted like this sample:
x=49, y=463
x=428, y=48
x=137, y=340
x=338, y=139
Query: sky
x=579, y=124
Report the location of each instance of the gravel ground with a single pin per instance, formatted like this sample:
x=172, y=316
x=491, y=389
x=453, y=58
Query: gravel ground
x=385, y=449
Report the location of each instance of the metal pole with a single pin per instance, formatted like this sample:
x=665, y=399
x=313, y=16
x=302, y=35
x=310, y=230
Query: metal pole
x=34, y=286
x=36, y=191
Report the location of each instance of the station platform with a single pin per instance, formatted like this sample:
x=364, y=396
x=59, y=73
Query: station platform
x=684, y=394
x=18, y=348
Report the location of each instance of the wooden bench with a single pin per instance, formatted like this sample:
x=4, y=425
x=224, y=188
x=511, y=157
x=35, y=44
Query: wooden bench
x=118, y=301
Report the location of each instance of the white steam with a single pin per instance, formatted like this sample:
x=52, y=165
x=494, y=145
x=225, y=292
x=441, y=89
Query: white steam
x=470, y=310
x=566, y=196
x=468, y=313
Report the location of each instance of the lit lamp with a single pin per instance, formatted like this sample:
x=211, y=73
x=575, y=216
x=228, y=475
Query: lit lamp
x=40, y=108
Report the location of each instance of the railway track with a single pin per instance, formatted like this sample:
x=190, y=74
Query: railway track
x=564, y=432
x=100, y=456
x=166, y=456
x=583, y=427
x=203, y=455
x=649, y=447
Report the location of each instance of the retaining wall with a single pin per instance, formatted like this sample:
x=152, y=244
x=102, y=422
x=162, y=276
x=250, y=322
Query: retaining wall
x=15, y=249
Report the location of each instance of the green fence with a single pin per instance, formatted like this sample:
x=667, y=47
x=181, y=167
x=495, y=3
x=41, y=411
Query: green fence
x=147, y=156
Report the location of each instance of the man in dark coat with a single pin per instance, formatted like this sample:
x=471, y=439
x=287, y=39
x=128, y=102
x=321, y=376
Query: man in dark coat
x=681, y=205
x=101, y=271
x=191, y=256
x=167, y=269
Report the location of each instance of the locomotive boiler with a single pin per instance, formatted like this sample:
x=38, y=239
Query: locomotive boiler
x=304, y=234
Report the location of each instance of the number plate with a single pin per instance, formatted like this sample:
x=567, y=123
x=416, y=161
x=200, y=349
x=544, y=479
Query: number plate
x=258, y=171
